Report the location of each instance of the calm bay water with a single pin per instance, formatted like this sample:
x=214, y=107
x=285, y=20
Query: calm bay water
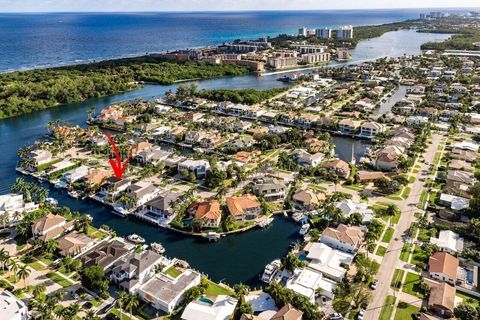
x=238, y=258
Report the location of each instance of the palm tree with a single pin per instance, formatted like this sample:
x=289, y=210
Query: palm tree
x=132, y=302
x=4, y=257
x=5, y=219
x=23, y=273
x=90, y=315
x=83, y=223
x=14, y=267
x=121, y=301
x=39, y=289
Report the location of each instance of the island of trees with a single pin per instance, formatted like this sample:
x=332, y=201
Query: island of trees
x=27, y=91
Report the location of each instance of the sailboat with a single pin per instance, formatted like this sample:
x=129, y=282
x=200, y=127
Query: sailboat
x=353, y=154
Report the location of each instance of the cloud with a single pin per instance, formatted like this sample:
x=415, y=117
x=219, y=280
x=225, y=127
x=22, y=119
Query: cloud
x=220, y=5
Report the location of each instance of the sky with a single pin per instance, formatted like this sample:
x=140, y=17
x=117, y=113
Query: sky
x=219, y=5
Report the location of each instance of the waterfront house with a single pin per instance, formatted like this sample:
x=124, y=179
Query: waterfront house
x=429, y=112
x=348, y=126
x=161, y=207
x=112, y=188
x=307, y=282
x=341, y=167
x=388, y=158
x=243, y=208
x=51, y=226
x=165, y=293
x=11, y=307
x=73, y=244
x=141, y=192
x=39, y=157
x=194, y=137
x=306, y=159
x=306, y=121
x=348, y=207
x=371, y=129
x=199, y=167
x=344, y=238
x=219, y=307
x=152, y=155
x=287, y=312
x=328, y=261
x=443, y=266
x=448, y=241
x=96, y=176
x=441, y=298
x=270, y=189
x=75, y=174
x=314, y=145
x=307, y=199
x=105, y=254
x=134, y=269
x=15, y=206
x=209, y=212
x=175, y=134
x=416, y=120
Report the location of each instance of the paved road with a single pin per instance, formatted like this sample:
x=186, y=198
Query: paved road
x=392, y=257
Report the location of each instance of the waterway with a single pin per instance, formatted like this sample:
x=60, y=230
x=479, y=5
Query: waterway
x=238, y=258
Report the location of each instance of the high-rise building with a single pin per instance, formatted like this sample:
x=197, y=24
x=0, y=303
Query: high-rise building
x=325, y=33
x=345, y=32
x=302, y=32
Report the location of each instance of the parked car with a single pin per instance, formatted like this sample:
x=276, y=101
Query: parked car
x=335, y=316
x=361, y=314
x=373, y=285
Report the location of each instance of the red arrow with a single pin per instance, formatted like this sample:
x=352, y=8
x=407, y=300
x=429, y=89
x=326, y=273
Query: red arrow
x=117, y=167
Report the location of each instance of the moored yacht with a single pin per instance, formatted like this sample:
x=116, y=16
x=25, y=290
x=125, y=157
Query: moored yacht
x=271, y=271
x=135, y=238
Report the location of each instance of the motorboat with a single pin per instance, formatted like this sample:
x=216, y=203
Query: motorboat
x=304, y=229
x=157, y=247
x=265, y=222
x=51, y=201
x=74, y=194
x=135, y=238
x=271, y=271
x=297, y=216
x=211, y=235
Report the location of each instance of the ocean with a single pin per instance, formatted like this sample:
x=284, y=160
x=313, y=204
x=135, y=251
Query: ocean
x=43, y=40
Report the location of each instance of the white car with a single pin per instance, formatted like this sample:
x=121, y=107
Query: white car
x=360, y=314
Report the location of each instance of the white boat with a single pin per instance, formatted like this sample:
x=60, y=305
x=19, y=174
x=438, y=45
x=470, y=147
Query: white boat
x=266, y=222
x=211, y=235
x=304, y=229
x=297, y=216
x=271, y=271
x=74, y=194
x=157, y=247
x=135, y=238
x=51, y=201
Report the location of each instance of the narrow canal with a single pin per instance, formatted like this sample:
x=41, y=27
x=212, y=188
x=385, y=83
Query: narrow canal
x=238, y=258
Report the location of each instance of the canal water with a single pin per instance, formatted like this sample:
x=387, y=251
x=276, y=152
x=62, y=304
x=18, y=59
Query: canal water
x=237, y=258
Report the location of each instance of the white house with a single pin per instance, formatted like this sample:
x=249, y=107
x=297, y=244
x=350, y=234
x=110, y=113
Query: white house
x=328, y=261
x=15, y=206
x=349, y=207
x=165, y=293
x=142, y=192
x=416, y=90
x=76, y=174
x=304, y=158
x=199, y=167
x=11, y=307
x=370, y=129
x=306, y=281
x=216, y=308
x=448, y=241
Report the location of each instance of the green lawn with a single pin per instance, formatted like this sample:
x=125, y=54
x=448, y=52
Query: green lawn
x=125, y=315
x=59, y=279
x=405, y=311
x=381, y=251
x=405, y=252
x=424, y=235
x=397, y=278
x=406, y=192
x=419, y=256
x=387, y=237
x=173, y=272
x=93, y=232
x=411, y=179
x=46, y=261
x=423, y=199
x=36, y=265
x=315, y=187
x=469, y=299
x=412, y=285
x=216, y=289
x=387, y=308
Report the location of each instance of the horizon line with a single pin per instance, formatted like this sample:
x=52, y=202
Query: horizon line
x=246, y=10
